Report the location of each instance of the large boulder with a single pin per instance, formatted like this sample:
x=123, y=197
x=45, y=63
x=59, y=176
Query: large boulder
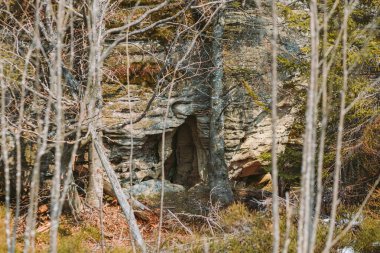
x=152, y=187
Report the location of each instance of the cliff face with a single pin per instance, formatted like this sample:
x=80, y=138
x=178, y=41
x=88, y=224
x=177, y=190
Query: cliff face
x=247, y=129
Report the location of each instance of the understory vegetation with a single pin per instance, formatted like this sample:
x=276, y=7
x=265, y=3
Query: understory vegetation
x=234, y=229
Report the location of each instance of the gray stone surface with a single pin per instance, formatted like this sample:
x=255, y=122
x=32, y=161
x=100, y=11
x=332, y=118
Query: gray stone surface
x=152, y=187
x=247, y=129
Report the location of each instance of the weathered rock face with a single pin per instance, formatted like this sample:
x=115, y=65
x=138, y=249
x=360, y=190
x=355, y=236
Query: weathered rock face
x=152, y=187
x=247, y=128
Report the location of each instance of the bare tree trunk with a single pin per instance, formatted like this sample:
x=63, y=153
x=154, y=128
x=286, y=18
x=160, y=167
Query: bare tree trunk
x=95, y=178
x=4, y=153
x=34, y=187
x=322, y=137
x=72, y=201
x=218, y=172
x=339, y=144
x=96, y=28
x=275, y=206
x=305, y=224
x=56, y=87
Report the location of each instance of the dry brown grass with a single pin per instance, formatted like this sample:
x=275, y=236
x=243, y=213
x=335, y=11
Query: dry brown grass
x=234, y=229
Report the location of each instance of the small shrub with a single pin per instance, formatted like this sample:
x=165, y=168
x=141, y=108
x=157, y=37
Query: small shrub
x=368, y=235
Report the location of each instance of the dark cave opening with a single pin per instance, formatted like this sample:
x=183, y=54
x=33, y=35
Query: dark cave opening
x=181, y=167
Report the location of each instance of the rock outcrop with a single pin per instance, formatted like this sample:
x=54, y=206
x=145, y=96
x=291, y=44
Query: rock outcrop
x=247, y=128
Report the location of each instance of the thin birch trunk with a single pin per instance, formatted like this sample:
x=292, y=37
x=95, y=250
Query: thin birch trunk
x=275, y=206
x=338, y=158
x=322, y=137
x=18, y=134
x=305, y=224
x=96, y=29
x=289, y=213
x=34, y=187
x=43, y=127
x=5, y=155
x=131, y=163
x=56, y=86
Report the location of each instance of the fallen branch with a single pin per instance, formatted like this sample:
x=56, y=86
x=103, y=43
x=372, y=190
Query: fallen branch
x=188, y=230
x=121, y=197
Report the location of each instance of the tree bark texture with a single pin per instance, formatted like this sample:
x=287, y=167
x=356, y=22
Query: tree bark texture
x=95, y=183
x=218, y=174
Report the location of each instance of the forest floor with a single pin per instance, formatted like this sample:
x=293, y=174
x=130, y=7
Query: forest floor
x=192, y=224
